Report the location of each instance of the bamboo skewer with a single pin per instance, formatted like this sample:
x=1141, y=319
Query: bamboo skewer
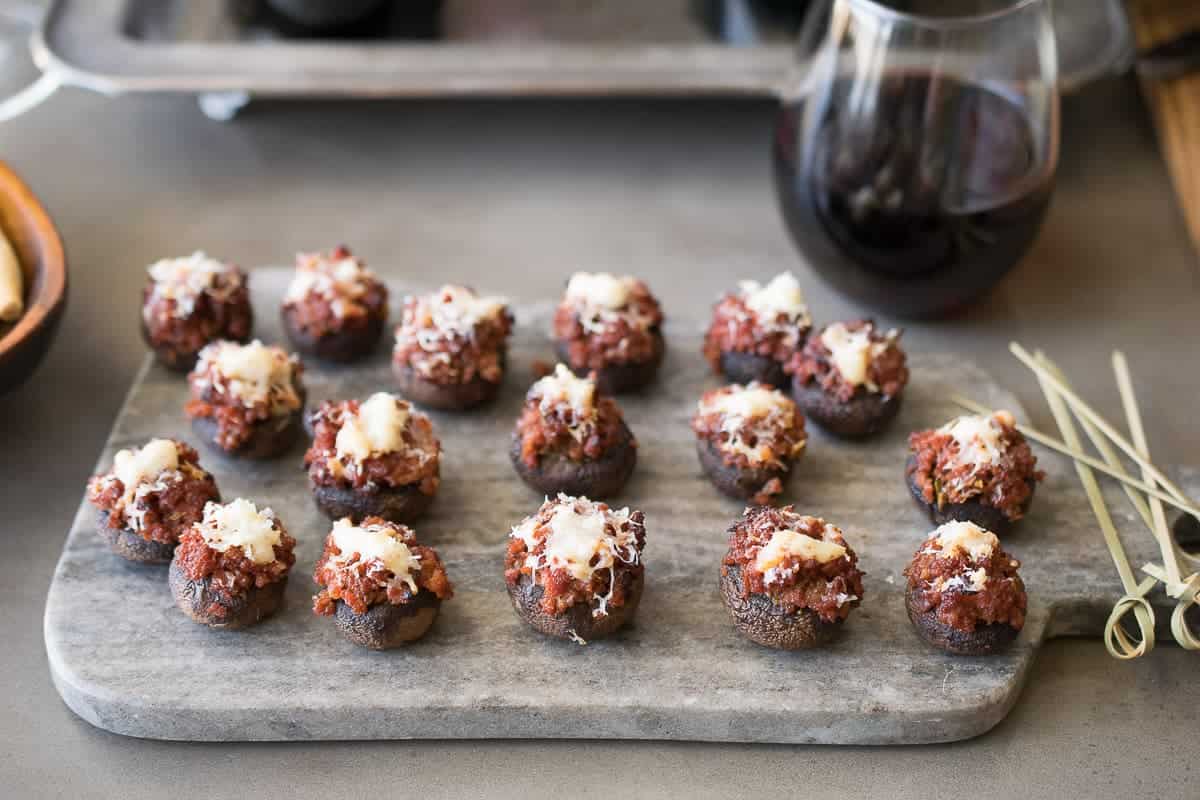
x=1078, y=455
x=1082, y=408
x=1133, y=415
x=1119, y=643
x=1185, y=591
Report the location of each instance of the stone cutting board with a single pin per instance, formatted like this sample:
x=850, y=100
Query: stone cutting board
x=126, y=660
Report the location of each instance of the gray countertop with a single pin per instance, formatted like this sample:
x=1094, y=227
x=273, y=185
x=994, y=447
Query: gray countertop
x=514, y=195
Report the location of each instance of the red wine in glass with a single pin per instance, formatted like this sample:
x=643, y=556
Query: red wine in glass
x=914, y=191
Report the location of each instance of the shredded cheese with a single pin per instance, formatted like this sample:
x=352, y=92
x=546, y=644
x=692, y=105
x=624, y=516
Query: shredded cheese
x=781, y=295
x=457, y=309
x=785, y=543
x=240, y=524
x=338, y=276
x=601, y=289
x=254, y=372
x=380, y=543
x=578, y=540
x=851, y=353
x=145, y=464
x=185, y=279
x=966, y=538
x=755, y=407
x=978, y=437
x=563, y=386
x=378, y=427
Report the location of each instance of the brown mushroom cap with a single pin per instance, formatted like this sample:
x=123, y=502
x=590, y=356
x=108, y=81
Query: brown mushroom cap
x=578, y=620
x=620, y=378
x=349, y=344
x=744, y=368
x=596, y=479
x=447, y=397
x=196, y=598
x=385, y=626
x=984, y=640
x=132, y=546
x=866, y=413
x=742, y=483
x=269, y=439
x=760, y=620
x=400, y=504
x=974, y=509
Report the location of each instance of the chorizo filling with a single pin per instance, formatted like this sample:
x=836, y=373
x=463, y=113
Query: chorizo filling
x=604, y=320
x=381, y=442
x=376, y=562
x=453, y=336
x=334, y=292
x=240, y=386
x=191, y=301
x=157, y=491
x=771, y=321
x=564, y=415
x=975, y=457
x=237, y=548
x=849, y=358
x=799, y=562
x=962, y=575
x=578, y=551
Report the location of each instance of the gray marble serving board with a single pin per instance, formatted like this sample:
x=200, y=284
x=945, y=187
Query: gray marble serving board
x=125, y=659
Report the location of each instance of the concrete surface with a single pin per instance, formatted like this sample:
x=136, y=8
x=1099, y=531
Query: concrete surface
x=524, y=191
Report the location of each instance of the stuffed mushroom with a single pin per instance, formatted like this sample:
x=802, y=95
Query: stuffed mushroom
x=974, y=468
x=230, y=569
x=849, y=378
x=747, y=438
x=335, y=308
x=382, y=588
x=190, y=302
x=611, y=326
x=789, y=580
x=247, y=400
x=151, y=495
x=451, y=348
x=574, y=569
x=964, y=595
x=755, y=332
x=572, y=440
x=377, y=458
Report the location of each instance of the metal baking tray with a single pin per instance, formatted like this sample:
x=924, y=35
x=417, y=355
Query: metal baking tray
x=481, y=47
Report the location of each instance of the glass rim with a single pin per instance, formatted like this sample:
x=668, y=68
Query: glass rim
x=877, y=8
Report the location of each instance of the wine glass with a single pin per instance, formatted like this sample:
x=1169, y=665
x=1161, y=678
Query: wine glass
x=915, y=151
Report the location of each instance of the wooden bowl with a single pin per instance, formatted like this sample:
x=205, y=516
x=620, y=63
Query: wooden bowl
x=44, y=267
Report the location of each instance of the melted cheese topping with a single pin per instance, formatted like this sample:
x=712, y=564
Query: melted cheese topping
x=574, y=541
x=145, y=464
x=978, y=437
x=240, y=524
x=741, y=405
x=747, y=402
x=966, y=538
x=851, y=353
x=601, y=289
x=787, y=543
x=376, y=543
x=563, y=386
x=378, y=427
x=781, y=296
x=252, y=370
x=337, y=279
x=578, y=542
x=458, y=309
x=185, y=279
